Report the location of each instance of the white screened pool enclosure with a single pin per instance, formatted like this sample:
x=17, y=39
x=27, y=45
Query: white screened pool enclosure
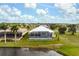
x=41, y=32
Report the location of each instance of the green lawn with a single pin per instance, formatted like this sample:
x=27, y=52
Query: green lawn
x=71, y=44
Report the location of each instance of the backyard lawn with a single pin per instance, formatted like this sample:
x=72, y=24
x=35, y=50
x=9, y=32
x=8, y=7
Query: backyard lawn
x=71, y=44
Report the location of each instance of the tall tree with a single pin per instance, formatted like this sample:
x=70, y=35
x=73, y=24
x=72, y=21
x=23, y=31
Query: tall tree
x=72, y=29
x=62, y=29
x=14, y=30
x=28, y=28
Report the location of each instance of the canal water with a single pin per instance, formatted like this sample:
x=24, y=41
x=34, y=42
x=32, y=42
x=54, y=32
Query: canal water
x=27, y=52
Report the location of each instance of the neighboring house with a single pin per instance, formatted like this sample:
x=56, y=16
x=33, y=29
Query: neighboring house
x=41, y=32
x=11, y=35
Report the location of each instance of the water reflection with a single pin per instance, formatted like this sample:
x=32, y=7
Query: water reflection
x=27, y=52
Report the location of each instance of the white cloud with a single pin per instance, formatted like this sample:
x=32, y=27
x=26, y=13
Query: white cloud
x=49, y=17
x=27, y=17
x=46, y=19
x=42, y=11
x=64, y=5
x=30, y=5
x=3, y=10
x=16, y=11
x=30, y=17
x=68, y=10
x=8, y=13
x=12, y=14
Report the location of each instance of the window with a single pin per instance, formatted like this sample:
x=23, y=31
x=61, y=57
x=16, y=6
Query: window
x=44, y=33
x=37, y=34
x=31, y=34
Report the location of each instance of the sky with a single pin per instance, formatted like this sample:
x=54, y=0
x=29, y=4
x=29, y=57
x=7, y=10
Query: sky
x=39, y=13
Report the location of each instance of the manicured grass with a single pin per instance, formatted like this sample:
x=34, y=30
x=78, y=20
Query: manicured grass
x=71, y=44
x=69, y=51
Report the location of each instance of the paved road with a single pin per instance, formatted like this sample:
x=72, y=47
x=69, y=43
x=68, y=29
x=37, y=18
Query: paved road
x=27, y=52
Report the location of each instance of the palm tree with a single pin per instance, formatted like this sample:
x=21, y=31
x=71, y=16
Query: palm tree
x=14, y=30
x=28, y=28
x=4, y=27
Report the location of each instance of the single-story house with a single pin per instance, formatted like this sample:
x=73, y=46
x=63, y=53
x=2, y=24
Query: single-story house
x=11, y=35
x=41, y=32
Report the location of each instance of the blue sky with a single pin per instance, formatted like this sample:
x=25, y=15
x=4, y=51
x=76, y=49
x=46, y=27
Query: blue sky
x=39, y=13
